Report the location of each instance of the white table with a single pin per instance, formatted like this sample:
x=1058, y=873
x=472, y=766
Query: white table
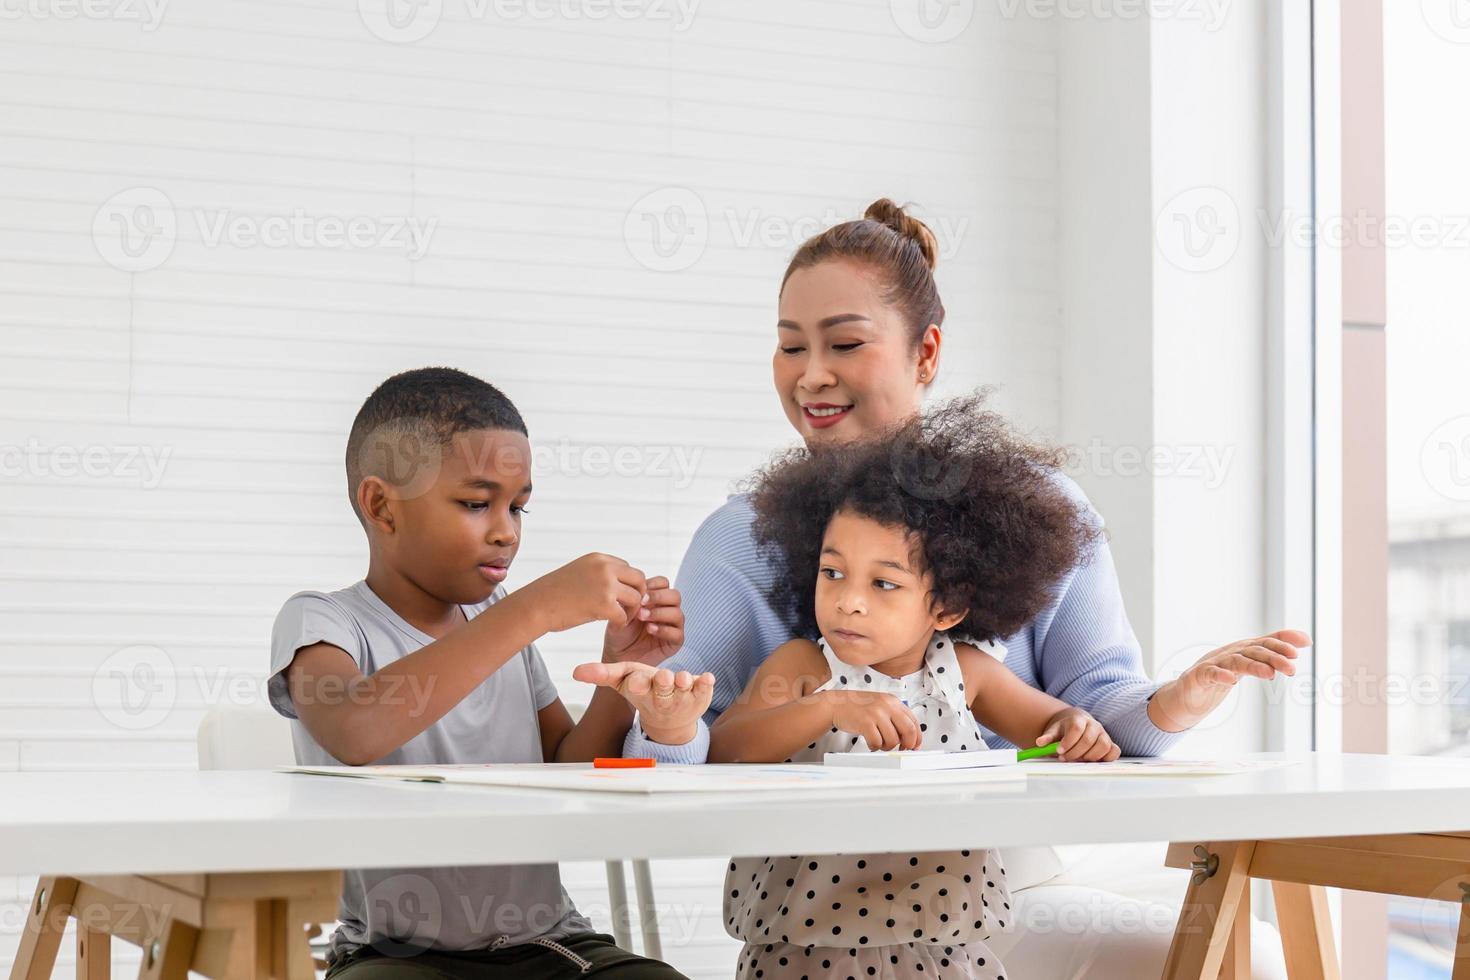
x=188, y=829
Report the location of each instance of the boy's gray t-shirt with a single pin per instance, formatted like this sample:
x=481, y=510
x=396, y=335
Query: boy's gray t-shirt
x=400, y=909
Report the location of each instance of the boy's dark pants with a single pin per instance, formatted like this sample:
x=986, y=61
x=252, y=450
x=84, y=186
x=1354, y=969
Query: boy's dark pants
x=525, y=962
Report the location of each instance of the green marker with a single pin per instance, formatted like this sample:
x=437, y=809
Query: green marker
x=1041, y=751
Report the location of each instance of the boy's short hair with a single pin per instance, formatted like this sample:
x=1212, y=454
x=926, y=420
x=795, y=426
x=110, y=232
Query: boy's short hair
x=989, y=516
x=405, y=427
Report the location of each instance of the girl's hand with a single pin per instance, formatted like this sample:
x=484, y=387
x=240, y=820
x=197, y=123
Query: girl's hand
x=669, y=704
x=882, y=720
x=1186, y=701
x=654, y=634
x=1081, y=735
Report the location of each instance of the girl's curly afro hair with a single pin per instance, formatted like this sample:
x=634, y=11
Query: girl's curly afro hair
x=990, y=520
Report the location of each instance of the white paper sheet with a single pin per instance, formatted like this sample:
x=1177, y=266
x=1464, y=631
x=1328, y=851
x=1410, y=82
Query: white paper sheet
x=676, y=779
x=1151, y=767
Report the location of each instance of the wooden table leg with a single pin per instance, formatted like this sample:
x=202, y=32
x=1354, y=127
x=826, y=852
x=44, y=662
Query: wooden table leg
x=40, y=938
x=290, y=951
x=1237, y=962
x=1207, y=919
x=94, y=954
x=236, y=926
x=1462, y=938
x=168, y=953
x=1306, y=931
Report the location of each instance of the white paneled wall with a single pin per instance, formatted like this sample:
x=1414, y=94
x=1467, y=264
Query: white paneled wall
x=203, y=271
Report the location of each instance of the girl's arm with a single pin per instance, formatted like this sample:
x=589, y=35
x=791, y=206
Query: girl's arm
x=779, y=712
x=1022, y=715
x=776, y=714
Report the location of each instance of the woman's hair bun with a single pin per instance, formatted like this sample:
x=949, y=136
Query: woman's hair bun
x=886, y=212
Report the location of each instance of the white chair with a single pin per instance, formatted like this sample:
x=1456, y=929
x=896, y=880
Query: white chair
x=258, y=738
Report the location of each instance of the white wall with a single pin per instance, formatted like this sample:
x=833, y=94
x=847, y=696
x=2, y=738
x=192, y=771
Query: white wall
x=534, y=145
x=1210, y=368
x=1163, y=272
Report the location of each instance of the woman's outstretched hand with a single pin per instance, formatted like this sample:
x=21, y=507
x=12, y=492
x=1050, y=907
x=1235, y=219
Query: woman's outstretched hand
x=669, y=703
x=1185, y=701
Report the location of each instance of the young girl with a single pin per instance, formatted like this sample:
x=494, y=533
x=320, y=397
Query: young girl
x=905, y=559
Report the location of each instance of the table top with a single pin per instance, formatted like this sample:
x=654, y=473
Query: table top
x=155, y=822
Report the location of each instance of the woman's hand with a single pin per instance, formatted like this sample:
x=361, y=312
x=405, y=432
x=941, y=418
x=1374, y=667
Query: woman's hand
x=882, y=720
x=654, y=634
x=1082, y=736
x=1185, y=701
x=669, y=704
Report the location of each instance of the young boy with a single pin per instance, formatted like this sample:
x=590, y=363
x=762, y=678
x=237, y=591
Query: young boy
x=429, y=660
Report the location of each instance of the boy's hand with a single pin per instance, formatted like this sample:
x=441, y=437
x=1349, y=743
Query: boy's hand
x=1185, y=701
x=593, y=587
x=883, y=721
x=1081, y=735
x=669, y=704
x=655, y=633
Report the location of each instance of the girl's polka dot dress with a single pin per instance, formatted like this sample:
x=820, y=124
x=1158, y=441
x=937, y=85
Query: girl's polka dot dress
x=878, y=915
